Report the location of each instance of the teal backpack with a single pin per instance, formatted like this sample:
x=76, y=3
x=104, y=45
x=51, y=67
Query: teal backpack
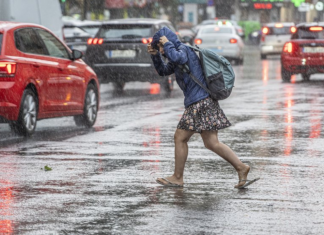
x=218, y=73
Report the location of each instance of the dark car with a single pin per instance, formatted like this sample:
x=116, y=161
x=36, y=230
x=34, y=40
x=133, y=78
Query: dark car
x=304, y=52
x=187, y=36
x=118, y=53
x=255, y=37
x=77, y=32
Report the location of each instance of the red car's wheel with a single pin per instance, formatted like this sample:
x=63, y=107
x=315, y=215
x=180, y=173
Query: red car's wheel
x=26, y=123
x=306, y=77
x=89, y=116
x=285, y=75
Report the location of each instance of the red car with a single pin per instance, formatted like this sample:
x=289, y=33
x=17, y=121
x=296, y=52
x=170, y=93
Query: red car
x=40, y=77
x=304, y=53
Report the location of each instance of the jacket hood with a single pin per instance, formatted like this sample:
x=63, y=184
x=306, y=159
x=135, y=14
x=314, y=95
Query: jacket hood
x=171, y=36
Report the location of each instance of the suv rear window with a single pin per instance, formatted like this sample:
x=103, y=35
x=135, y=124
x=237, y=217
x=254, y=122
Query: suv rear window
x=1, y=35
x=216, y=30
x=279, y=31
x=125, y=31
x=306, y=33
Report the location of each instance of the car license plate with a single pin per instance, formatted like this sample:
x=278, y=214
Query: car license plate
x=267, y=48
x=217, y=49
x=80, y=47
x=313, y=50
x=121, y=54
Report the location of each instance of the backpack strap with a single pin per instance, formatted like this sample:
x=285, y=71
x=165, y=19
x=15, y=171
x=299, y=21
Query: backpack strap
x=185, y=68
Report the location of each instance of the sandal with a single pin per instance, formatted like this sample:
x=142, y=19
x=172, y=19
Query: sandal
x=248, y=182
x=169, y=184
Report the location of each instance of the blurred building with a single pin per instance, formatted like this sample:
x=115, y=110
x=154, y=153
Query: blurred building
x=195, y=11
x=265, y=11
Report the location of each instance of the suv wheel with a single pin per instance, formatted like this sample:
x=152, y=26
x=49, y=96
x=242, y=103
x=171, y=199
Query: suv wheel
x=90, y=109
x=119, y=86
x=263, y=56
x=306, y=77
x=27, y=119
x=168, y=85
x=285, y=75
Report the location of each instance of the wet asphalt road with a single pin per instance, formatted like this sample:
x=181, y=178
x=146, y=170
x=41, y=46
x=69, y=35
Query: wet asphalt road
x=102, y=180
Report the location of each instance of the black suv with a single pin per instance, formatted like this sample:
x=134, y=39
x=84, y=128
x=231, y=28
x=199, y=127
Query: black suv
x=118, y=53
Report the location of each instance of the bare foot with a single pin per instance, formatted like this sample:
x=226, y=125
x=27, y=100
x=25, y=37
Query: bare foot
x=171, y=179
x=242, y=173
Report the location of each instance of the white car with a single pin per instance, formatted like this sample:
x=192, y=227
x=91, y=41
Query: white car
x=44, y=12
x=274, y=36
x=221, y=39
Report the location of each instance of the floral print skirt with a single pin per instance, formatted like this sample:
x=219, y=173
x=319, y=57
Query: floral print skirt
x=205, y=115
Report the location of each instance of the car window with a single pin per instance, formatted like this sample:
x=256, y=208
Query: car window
x=279, y=31
x=125, y=31
x=27, y=41
x=217, y=30
x=75, y=32
x=55, y=47
x=92, y=30
x=306, y=33
x=171, y=27
x=1, y=36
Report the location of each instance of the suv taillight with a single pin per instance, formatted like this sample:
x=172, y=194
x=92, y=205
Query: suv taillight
x=7, y=68
x=147, y=40
x=293, y=29
x=290, y=48
x=95, y=41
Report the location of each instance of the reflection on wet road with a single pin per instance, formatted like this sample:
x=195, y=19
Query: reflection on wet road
x=102, y=180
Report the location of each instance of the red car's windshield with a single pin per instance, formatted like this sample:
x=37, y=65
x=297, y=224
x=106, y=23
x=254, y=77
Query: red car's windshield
x=309, y=33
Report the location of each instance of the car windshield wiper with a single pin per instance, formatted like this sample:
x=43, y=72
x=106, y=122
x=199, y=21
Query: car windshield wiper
x=131, y=36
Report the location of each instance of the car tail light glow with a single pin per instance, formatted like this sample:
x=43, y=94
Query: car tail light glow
x=262, y=38
x=198, y=41
x=293, y=29
x=316, y=28
x=265, y=30
x=147, y=40
x=278, y=25
x=233, y=40
x=7, y=68
x=95, y=41
x=290, y=47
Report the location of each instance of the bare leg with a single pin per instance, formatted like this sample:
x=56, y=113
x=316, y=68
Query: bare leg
x=211, y=142
x=181, y=138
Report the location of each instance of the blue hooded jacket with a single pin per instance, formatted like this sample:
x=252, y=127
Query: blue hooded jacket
x=178, y=53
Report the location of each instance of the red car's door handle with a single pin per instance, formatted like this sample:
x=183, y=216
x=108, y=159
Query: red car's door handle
x=60, y=68
x=36, y=65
